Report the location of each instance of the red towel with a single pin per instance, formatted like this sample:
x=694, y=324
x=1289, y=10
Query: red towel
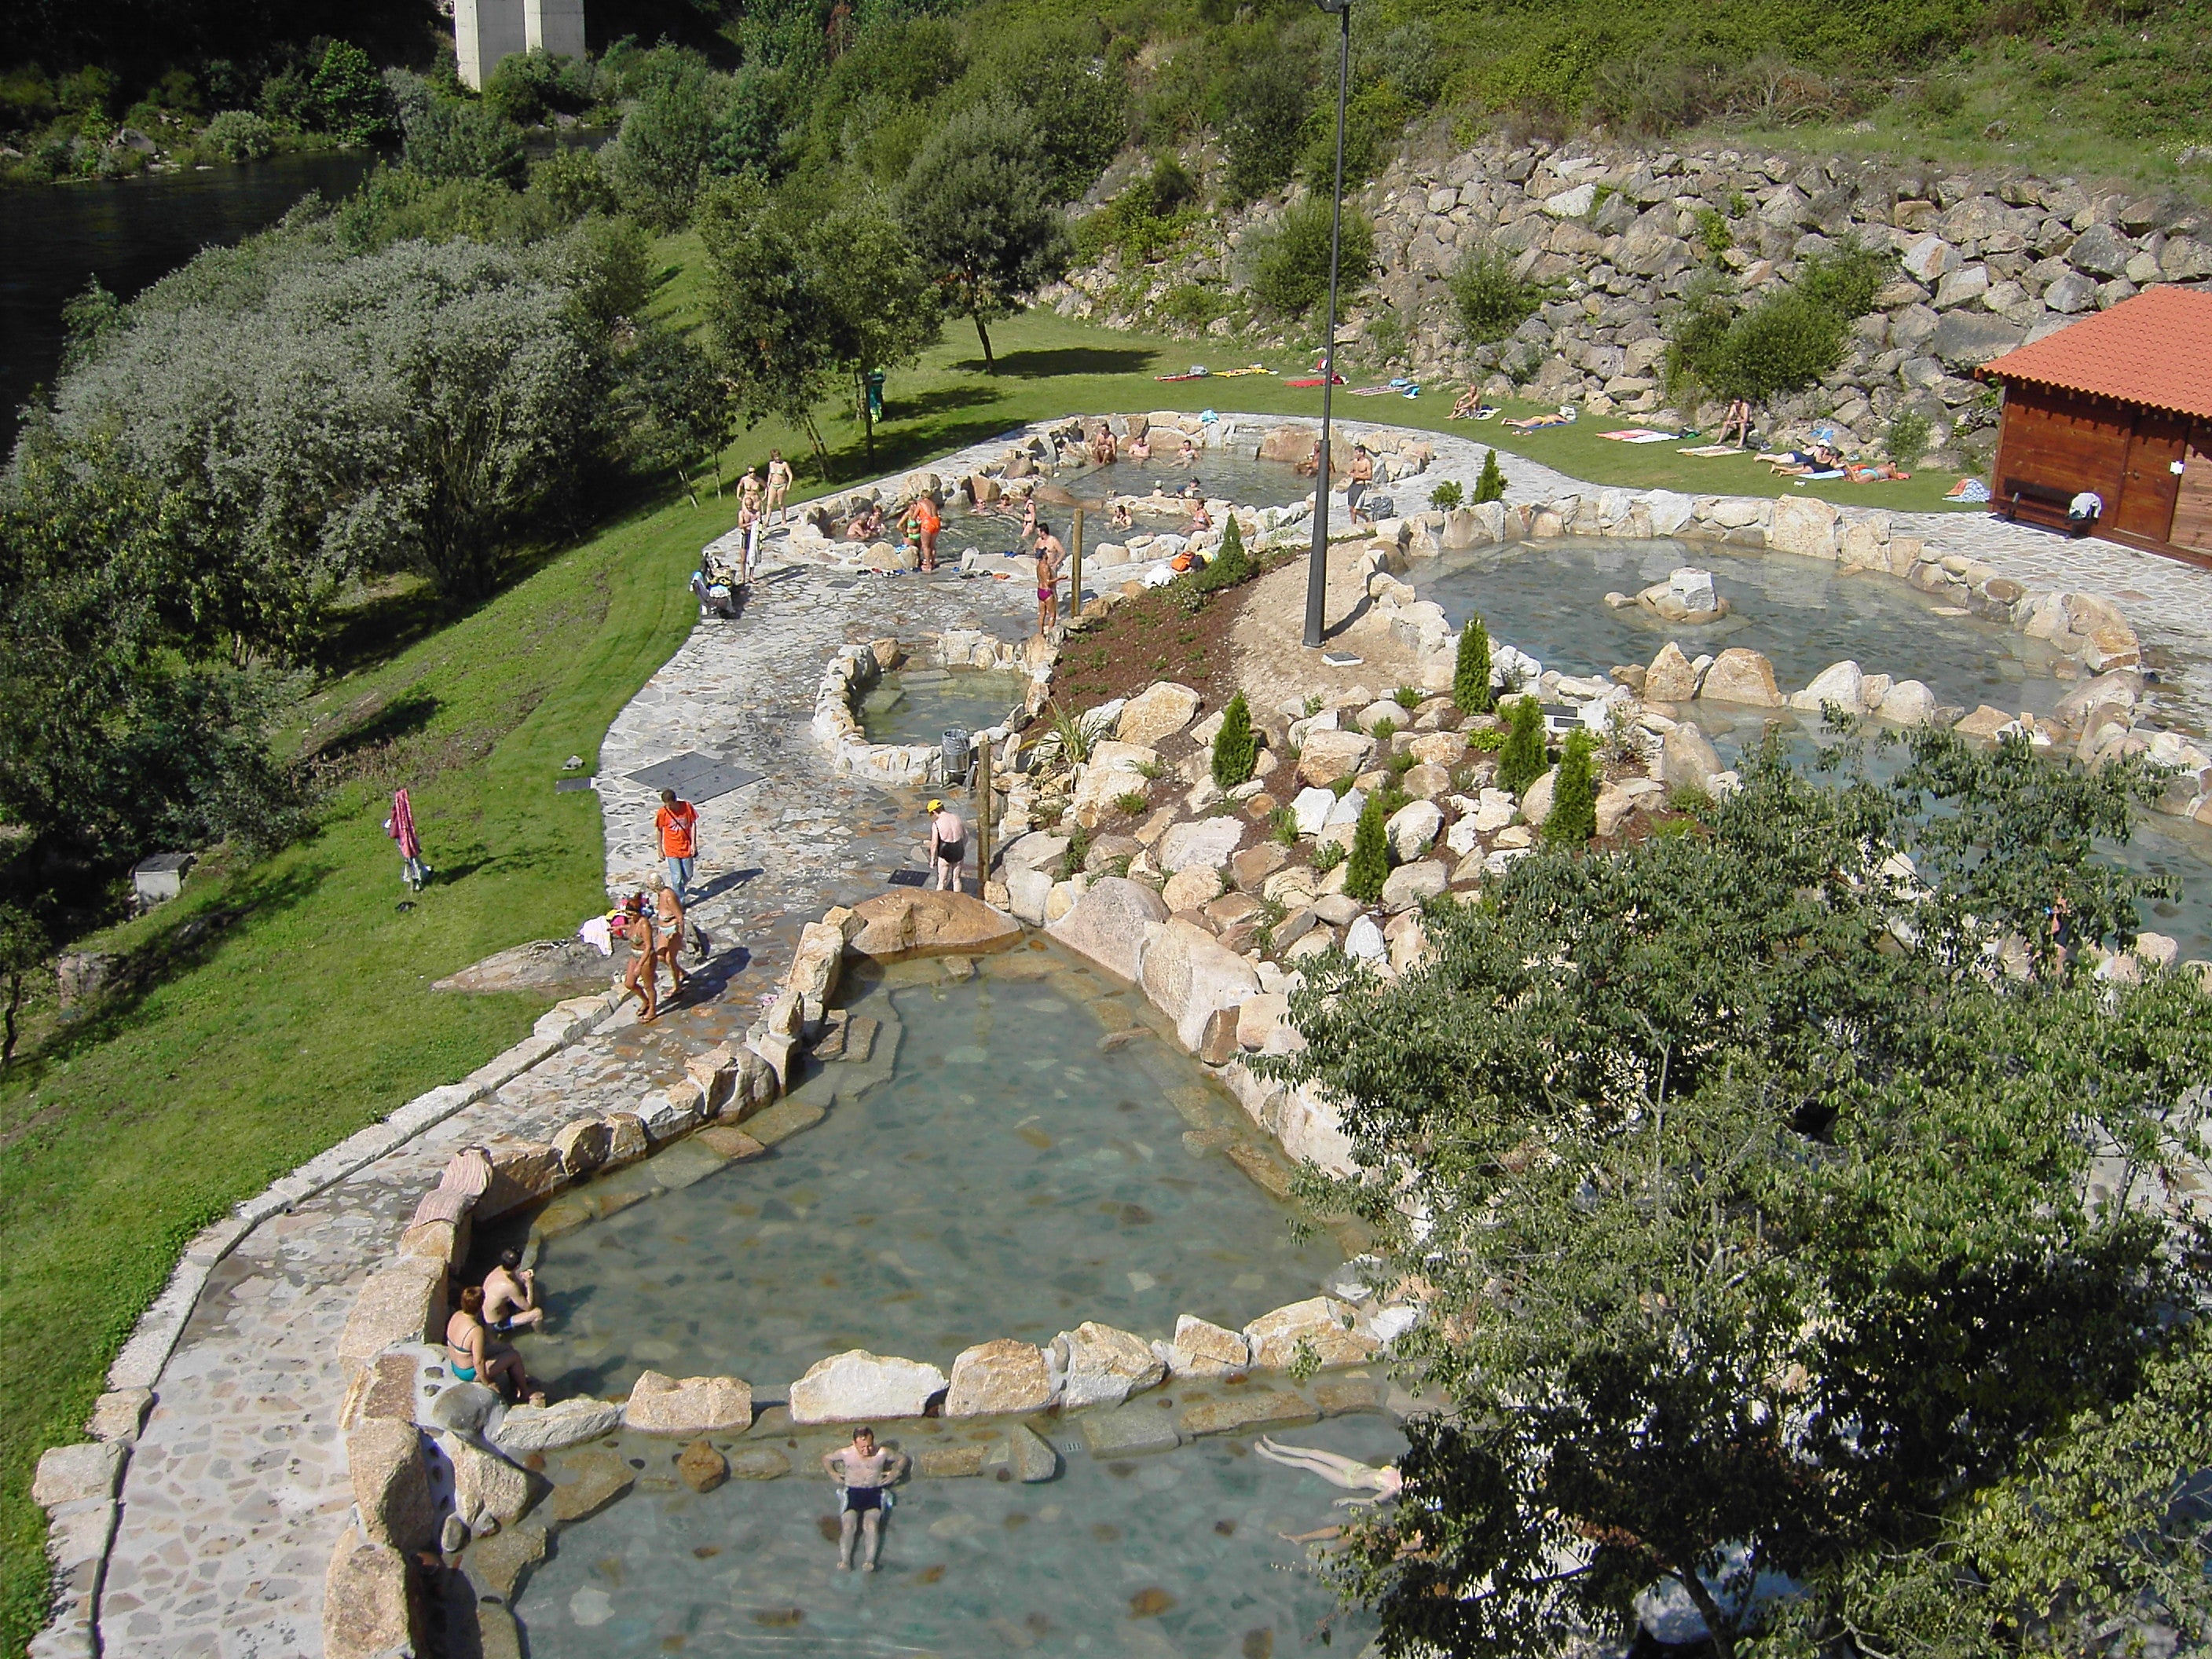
x=402, y=826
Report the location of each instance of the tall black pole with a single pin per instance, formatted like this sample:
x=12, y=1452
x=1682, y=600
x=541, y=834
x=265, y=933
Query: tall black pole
x=1317, y=570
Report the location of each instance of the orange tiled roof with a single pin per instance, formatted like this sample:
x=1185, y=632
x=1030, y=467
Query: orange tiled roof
x=2154, y=349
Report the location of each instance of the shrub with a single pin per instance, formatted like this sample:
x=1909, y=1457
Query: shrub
x=1522, y=761
x=346, y=98
x=1291, y=275
x=454, y=140
x=1369, y=864
x=1713, y=232
x=1486, y=739
x=1383, y=729
x=1130, y=801
x=1492, y=302
x=1843, y=281
x=240, y=135
x=1328, y=856
x=1471, y=692
x=1236, y=748
x=1491, y=486
x=1283, y=826
x=1907, y=439
x=1408, y=696
x=1261, y=108
x=1574, y=794
x=1447, y=494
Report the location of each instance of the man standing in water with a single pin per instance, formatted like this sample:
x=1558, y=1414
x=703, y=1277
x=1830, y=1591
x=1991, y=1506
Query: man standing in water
x=861, y=1471
x=948, y=846
x=1049, y=553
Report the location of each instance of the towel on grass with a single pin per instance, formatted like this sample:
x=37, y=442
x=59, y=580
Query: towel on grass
x=1709, y=451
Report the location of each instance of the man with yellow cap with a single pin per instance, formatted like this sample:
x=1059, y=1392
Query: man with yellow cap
x=948, y=846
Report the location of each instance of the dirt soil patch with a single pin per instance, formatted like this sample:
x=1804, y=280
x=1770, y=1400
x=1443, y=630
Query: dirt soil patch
x=1148, y=639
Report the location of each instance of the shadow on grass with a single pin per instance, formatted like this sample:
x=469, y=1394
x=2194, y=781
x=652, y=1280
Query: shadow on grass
x=1049, y=363
x=176, y=950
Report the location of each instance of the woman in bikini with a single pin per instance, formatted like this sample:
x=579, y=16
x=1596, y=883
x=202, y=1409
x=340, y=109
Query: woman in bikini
x=476, y=1357
x=643, y=973
x=779, y=483
x=671, y=909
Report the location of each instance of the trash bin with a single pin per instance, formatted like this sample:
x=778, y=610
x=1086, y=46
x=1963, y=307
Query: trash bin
x=954, y=748
x=875, y=394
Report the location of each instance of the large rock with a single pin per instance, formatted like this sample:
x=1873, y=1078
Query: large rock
x=75, y=1474
x=999, y=1378
x=1672, y=677
x=913, y=923
x=1189, y=974
x=486, y=1487
x=1200, y=1349
x=1410, y=884
x=1201, y=843
x=1099, y=1365
x=1908, y=702
x=1804, y=524
x=1189, y=890
x=1686, y=760
x=399, y=1304
x=1413, y=830
x=857, y=1386
x=1322, y=1321
x=697, y=1405
x=1113, y=770
x=1112, y=924
x=586, y=1482
x=562, y=966
x=1312, y=809
x=368, y=1601
x=1158, y=712
x=1967, y=339
x=391, y=1484
x=1027, y=892
x=497, y=1565
x=1838, y=682
x=527, y=1429
x=1741, y=675
x=1328, y=755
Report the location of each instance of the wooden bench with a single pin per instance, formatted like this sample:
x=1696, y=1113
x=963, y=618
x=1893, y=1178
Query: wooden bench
x=2040, y=504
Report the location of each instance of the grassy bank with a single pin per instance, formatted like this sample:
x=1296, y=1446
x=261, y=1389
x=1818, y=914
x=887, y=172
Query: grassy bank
x=303, y=1010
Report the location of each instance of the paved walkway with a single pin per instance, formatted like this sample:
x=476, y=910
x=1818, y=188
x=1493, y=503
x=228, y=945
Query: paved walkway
x=238, y=1487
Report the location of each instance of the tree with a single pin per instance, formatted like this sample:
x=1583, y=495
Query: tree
x=678, y=413
x=1290, y=276
x=1573, y=819
x=1521, y=760
x=882, y=309
x=1472, y=693
x=1260, y=111
x=979, y=209
x=450, y=139
x=1369, y=866
x=1491, y=486
x=770, y=323
x=1756, y=1231
x=1236, y=747
x=1492, y=302
x=347, y=97
x=658, y=158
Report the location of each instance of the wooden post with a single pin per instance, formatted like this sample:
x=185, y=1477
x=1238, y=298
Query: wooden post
x=1075, y=569
x=983, y=819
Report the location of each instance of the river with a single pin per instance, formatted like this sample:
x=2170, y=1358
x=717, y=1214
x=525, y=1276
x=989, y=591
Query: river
x=130, y=234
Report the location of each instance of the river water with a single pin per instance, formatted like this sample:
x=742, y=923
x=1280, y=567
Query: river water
x=130, y=234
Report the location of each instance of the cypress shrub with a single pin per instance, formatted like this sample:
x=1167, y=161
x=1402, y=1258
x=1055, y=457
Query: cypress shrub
x=1472, y=693
x=1574, y=795
x=1230, y=564
x=1520, y=762
x=1370, y=864
x=1491, y=486
x=1235, y=748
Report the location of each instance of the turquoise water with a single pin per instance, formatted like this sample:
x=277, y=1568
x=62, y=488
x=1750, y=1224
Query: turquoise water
x=919, y=705
x=1174, y=1556
x=1222, y=475
x=1005, y=1178
x=1548, y=598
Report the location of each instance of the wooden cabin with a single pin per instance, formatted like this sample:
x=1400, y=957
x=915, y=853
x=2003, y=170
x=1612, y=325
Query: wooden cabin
x=2119, y=404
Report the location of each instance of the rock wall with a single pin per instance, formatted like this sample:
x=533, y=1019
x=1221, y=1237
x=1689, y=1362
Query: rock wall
x=1988, y=260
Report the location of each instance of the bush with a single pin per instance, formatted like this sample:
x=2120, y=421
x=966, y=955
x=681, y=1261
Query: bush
x=1260, y=114
x=1229, y=566
x=1573, y=819
x=1471, y=688
x=1369, y=864
x=1291, y=276
x=1522, y=761
x=1447, y=495
x=1491, y=301
x=1236, y=748
x=1844, y=282
x=1491, y=486
x=450, y=139
x=346, y=98
x=240, y=135
x=1907, y=439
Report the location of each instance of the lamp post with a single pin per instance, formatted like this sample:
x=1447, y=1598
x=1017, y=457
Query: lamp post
x=1317, y=570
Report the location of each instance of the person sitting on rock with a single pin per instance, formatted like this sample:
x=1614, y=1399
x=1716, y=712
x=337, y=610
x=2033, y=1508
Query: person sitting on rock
x=1103, y=450
x=862, y=1471
x=477, y=1358
x=510, y=1295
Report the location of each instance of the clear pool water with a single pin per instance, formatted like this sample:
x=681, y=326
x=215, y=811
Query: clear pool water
x=1035, y=1156
x=1175, y=1555
x=1224, y=475
x=1548, y=598
x=919, y=705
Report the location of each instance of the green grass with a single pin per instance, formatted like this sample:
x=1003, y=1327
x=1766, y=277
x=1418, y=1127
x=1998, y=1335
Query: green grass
x=308, y=1013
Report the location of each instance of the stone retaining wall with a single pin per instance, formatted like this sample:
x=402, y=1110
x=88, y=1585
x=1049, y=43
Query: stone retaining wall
x=857, y=670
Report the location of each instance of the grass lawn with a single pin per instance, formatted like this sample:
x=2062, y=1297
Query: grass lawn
x=306, y=1012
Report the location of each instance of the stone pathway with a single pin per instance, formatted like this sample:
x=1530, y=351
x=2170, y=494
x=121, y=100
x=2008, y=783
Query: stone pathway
x=237, y=1488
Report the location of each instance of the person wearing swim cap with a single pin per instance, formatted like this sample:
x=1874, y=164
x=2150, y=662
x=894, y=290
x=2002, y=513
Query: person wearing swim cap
x=948, y=846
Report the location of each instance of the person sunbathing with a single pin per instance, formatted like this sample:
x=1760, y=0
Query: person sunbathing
x=1802, y=463
x=1539, y=423
x=1860, y=472
x=1469, y=404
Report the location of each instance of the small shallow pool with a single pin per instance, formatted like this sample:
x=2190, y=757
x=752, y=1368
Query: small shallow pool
x=1222, y=475
x=1548, y=598
x=1174, y=1556
x=919, y=705
x=1019, y=1153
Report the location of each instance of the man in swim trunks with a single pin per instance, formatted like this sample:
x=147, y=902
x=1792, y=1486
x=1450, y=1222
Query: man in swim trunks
x=948, y=846
x=510, y=1295
x=861, y=1471
x=1049, y=553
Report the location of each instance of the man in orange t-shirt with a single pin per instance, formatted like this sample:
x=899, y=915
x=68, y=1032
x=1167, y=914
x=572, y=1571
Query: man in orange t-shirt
x=678, y=821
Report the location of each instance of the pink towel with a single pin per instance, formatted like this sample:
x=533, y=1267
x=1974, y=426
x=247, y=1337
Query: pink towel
x=442, y=1204
x=403, y=825
x=469, y=1171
